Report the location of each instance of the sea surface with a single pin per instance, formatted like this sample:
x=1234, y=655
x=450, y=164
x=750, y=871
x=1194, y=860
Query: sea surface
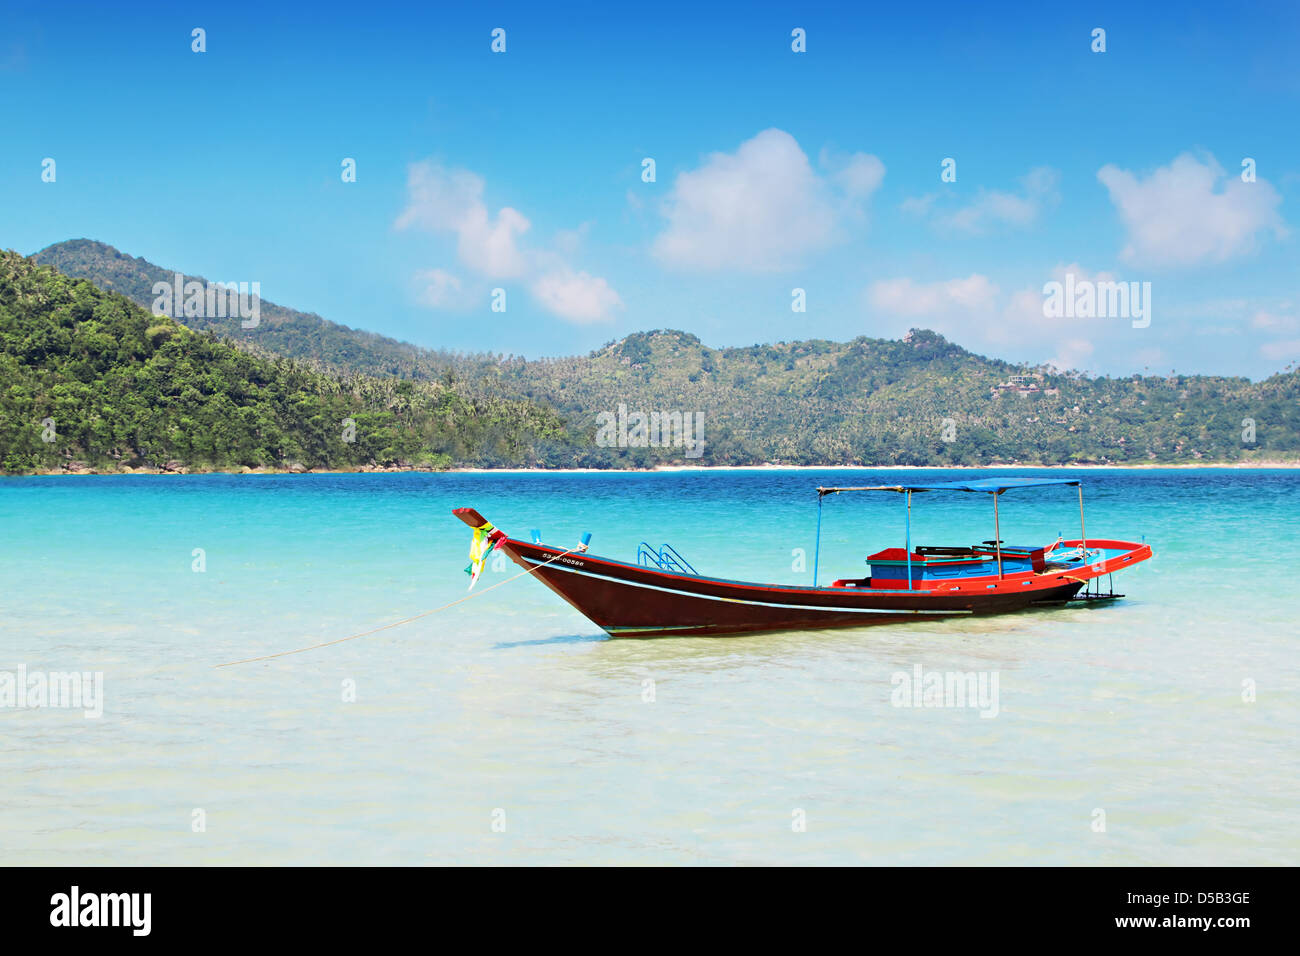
x=1161, y=729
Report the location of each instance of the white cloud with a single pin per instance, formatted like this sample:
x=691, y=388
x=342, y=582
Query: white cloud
x=1280, y=320
x=489, y=246
x=858, y=175
x=1277, y=351
x=1011, y=324
x=761, y=208
x=569, y=241
x=576, y=296
x=975, y=313
x=1024, y=317
x=992, y=208
x=1071, y=354
x=450, y=201
x=919, y=205
x=905, y=297
x=439, y=289
x=1273, y=322
x=442, y=200
x=1023, y=323
x=1218, y=308
x=1175, y=216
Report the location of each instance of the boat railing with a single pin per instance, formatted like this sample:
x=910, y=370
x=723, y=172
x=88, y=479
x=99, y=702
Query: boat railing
x=665, y=559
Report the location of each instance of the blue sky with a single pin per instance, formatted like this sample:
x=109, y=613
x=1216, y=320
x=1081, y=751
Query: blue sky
x=775, y=170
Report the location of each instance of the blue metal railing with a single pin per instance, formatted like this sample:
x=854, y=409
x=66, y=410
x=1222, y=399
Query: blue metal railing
x=665, y=559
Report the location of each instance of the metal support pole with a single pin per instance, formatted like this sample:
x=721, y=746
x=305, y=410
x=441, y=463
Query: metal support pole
x=997, y=534
x=818, y=550
x=908, y=544
x=1083, y=531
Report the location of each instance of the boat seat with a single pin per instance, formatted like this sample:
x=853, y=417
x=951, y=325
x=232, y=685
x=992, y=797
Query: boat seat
x=1035, y=555
x=947, y=552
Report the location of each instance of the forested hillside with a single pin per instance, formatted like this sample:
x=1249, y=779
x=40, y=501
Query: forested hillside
x=281, y=331
x=919, y=401
x=89, y=379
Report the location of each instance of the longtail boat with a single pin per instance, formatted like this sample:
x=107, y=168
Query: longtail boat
x=662, y=594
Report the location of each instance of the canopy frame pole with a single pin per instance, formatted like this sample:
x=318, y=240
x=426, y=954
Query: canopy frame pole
x=817, y=551
x=1083, y=530
x=997, y=534
x=908, y=542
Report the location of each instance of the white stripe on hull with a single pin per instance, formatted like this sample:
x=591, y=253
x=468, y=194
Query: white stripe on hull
x=714, y=597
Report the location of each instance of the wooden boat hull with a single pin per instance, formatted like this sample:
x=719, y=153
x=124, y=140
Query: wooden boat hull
x=628, y=600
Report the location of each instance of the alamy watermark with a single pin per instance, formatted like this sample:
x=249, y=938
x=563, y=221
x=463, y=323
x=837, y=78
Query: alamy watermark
x=920, y=688
x=211, y=300
x=129, y=910
x=624, y=429
x=65, y=690
x=1089, y=299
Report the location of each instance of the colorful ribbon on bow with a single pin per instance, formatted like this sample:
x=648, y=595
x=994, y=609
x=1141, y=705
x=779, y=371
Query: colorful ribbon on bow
x=486, y=537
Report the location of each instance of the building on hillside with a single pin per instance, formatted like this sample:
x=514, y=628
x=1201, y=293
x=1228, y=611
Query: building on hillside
x=1022, y=385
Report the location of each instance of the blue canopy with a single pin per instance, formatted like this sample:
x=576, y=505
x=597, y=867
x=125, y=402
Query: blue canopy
x=992, y=486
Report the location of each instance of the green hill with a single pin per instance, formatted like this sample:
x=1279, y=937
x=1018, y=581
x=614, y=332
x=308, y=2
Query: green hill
x=876, y=401
x=286, y=332
x=920, y=401
x=87, y=376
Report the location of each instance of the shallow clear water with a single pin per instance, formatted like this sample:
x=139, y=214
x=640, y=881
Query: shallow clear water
x=514, y=702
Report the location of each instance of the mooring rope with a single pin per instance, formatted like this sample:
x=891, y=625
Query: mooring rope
x=385, y=627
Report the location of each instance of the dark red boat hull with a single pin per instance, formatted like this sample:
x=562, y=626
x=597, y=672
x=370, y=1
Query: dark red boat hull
x=629, y=600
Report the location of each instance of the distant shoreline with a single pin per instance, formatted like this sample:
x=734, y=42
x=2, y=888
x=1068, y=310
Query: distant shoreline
x=1235, y=466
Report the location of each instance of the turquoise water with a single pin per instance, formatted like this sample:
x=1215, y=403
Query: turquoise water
x=512, y=707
